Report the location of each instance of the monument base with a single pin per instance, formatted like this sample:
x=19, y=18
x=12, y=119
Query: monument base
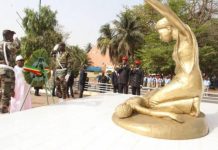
x=165, y=128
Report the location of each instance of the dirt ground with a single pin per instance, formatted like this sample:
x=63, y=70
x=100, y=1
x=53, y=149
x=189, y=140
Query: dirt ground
x=38, y=101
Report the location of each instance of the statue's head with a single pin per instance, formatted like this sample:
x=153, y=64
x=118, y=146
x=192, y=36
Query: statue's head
x=123, y=111
x=165, y=30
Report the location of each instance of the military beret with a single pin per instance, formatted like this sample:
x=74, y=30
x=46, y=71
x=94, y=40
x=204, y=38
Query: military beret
x=125, y=58
x=8, y=32
x=61, y=44
x=137, y=62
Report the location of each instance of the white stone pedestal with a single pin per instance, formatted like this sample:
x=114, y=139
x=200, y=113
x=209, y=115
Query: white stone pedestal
x=86, y=124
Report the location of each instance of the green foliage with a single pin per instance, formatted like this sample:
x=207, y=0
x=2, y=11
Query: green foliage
x=125, y=38
x=147, y=17
x=209, y=60
x=36, y=23
x=179, y=7
x=37, y=81
x=157, y=56
x=104, y=42
x=40, y=31
x=129, y=36
x=207, y=34
x=78, y=58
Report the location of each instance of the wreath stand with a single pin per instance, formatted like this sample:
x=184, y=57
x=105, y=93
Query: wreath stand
x=39, y=71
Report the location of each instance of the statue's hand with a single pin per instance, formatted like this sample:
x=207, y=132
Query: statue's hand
x=132, y=102
x=177, y=118
x=153, y=103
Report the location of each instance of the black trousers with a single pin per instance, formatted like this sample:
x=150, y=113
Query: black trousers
x=70, y=88
x=123, y=88
x=135, y=90
x=81, y=89
x=53, y=88
x=115, y=88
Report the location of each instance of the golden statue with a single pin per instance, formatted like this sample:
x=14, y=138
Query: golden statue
x=183, y=94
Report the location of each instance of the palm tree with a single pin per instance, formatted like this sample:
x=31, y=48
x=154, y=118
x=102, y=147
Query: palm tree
x=106, y=42
x=124, y=39
x=129, y=35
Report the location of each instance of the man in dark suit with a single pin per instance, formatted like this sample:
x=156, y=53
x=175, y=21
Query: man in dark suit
x=103, y=80
x=136, y=77
x=114, y=79
x=123, y=78
x=82, y=80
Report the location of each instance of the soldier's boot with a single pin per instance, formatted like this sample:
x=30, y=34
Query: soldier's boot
x=53, y=91
x=37, y=92
x=4, y=109
x=68, y=95
x=64, y=96
x=71, y=92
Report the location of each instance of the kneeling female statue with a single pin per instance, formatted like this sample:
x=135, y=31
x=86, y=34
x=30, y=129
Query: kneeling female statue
x=183, y=94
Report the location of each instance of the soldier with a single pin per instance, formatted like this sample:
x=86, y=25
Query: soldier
x=53, y=66
x=62, y=71
x=8, y=49
x=137, y=76
x=123, y=79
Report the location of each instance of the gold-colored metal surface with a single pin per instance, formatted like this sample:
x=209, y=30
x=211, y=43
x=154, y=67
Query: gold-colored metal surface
x=164, y=128
x=183, y=94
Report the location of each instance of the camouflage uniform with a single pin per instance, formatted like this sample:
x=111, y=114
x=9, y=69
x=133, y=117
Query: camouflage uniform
x=7, y=77
x=61, y=70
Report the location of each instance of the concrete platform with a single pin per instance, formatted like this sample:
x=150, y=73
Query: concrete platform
x=86, y=124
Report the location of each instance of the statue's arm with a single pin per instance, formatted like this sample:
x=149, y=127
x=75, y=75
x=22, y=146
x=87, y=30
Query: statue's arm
x=170, y=15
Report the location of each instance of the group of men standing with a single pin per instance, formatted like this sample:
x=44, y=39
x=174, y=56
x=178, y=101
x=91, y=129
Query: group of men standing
x=11, y=74
x=124, y=75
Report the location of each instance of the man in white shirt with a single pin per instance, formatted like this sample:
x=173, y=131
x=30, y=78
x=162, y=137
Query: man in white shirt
x=21, y=88
x=207, y=83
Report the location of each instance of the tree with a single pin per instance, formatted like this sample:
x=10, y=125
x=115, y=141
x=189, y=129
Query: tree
x=106, y=43
x=129, y=36
x=207, y=36
x=78, y=58
x=201, y=11
x=204, y=27
x=124, y=39
x=40, y=31
x=156, y=57
x=209, y=60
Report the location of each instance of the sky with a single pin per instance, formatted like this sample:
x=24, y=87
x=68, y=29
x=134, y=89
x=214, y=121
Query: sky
x=81, y=18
